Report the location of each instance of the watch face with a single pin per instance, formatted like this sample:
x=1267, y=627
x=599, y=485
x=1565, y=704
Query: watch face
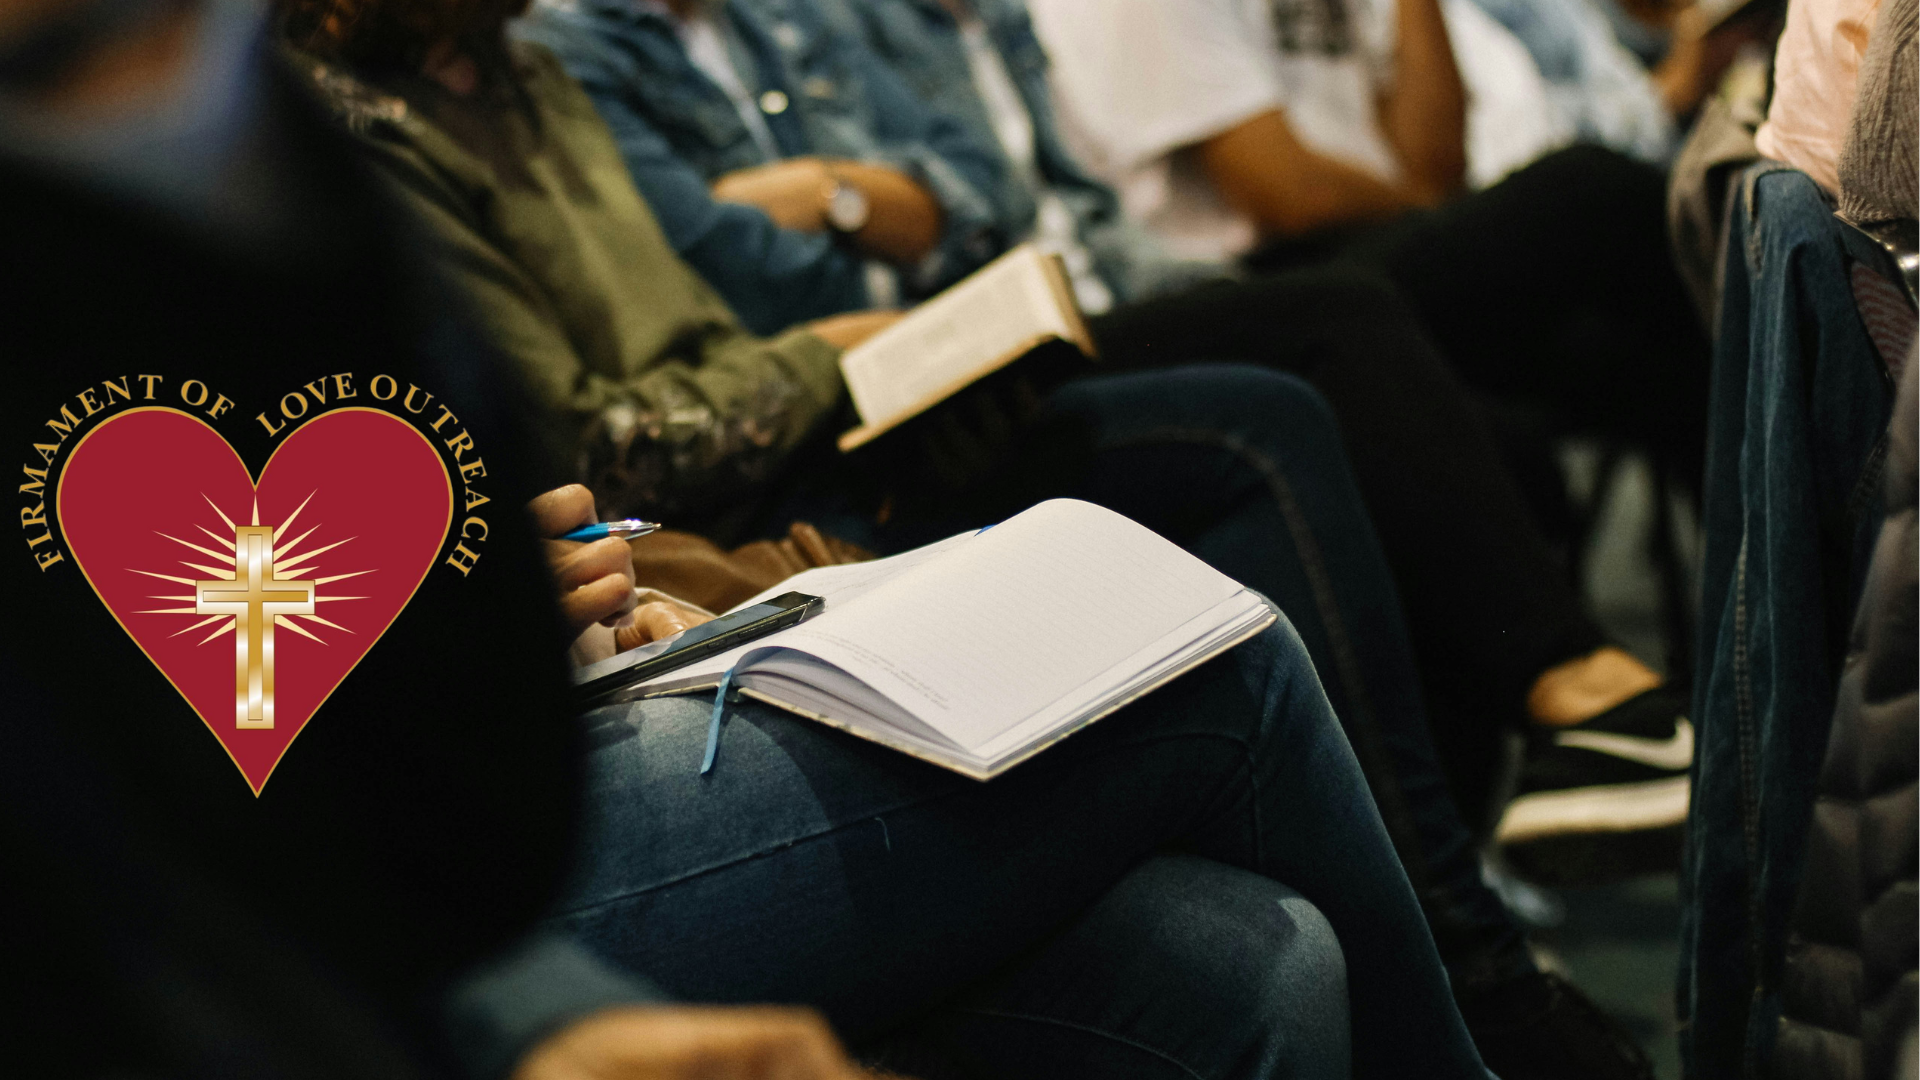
x=847, y=208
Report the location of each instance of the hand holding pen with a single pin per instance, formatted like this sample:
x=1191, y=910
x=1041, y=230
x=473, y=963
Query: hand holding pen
x=625, y=529
x=594, y=579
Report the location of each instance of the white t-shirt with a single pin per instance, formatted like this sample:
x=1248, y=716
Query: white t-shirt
x=1054, y=228
x=1135, y=81
x=1512, y=116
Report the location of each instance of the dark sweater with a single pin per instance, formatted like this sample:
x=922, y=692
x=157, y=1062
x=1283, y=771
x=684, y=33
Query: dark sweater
x=1880, y=163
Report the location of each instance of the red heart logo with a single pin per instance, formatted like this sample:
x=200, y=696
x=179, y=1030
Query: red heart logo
x=255, y=600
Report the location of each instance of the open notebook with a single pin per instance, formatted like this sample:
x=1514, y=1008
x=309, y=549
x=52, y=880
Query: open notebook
x=998, y=314
x=978, y=652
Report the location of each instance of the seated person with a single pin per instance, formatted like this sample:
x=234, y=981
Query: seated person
x=766, y=222
x=177, y=208
x=1603, y=93
x=943, y=924
x=1259, y=137
x=914, y=196
x=173, y=922
x=1499, y=630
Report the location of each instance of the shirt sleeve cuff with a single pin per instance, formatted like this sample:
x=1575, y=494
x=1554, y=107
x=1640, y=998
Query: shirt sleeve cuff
x=967, y=238
x=814, y=362
x=494, y=1015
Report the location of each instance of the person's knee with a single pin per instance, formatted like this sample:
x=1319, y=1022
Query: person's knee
x=1288, y=959
x=1256, y=400
x=1276, y=667
x=1186, y=967
x=1212, y=404
x=1346, y=296
x=1257, y=966
x=1599, y=177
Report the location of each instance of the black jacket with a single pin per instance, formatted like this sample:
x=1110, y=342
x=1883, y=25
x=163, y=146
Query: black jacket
x=1848, y=989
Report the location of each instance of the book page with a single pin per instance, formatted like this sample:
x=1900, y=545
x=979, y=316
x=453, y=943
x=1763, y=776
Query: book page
x=1229, y=622
x=838, y=585
x=1009, y=623
x=995, y=315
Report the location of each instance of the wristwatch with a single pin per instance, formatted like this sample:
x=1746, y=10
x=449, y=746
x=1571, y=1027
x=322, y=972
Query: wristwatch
x=847, y=206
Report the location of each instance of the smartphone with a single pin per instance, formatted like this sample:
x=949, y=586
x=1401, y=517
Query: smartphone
x=652, y=661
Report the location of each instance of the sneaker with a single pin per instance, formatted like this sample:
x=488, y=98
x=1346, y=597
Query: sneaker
x=1603, y=799
x=1541, y=1027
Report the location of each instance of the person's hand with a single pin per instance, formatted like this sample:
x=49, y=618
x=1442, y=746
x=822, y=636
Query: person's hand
x=655, y=621
x=793, y=191
x=1698, y=56
x=846, y=331
x=595, y=580
x=685, y=1043
x=903, y=217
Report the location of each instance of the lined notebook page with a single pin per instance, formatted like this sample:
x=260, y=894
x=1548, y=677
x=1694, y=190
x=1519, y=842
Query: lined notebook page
x=945, y=343
x=842, y=584
x=961, y=642
x=838, y=585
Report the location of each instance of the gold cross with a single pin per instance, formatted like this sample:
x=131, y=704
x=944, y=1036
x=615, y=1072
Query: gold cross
x=254, y=597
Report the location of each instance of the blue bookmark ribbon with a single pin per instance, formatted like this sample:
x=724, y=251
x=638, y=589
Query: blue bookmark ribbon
x=713, y=727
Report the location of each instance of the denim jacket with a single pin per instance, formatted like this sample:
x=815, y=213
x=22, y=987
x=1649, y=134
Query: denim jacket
x=679, y=132
x=1791, y=510
x=921, y=41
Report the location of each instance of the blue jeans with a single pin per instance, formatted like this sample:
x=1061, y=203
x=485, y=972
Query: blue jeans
x=1034, y=925
x=1792, y=503
x=1244, y=468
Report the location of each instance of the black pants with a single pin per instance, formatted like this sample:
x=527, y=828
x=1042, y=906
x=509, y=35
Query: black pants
x=1488, y=605
x=1553, y=291
x=1557, y=287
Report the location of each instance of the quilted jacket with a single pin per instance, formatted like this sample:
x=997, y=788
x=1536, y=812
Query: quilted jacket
x=1848, y=989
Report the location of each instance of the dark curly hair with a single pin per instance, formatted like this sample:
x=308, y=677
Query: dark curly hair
x=391, y=35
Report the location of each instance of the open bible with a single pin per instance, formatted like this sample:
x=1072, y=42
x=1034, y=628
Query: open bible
x=998, y=314
x=980, y=651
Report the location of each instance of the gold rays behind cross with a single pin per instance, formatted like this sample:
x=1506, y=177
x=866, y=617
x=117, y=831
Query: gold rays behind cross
x=253, y=589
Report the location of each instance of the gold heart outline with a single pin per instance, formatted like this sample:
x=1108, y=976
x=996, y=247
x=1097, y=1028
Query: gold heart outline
x=60, y=505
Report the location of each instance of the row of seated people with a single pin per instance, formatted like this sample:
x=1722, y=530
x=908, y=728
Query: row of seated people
x=1138, y=901
x=940, y=119
x=673, y=407
x=663, y=402
x=739, y=194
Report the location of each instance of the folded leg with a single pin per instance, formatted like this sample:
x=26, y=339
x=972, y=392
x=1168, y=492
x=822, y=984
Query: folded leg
x=1185, y=968
x=817, y=868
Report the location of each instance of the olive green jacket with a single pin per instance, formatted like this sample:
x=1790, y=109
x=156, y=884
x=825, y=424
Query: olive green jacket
x=664, y=400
